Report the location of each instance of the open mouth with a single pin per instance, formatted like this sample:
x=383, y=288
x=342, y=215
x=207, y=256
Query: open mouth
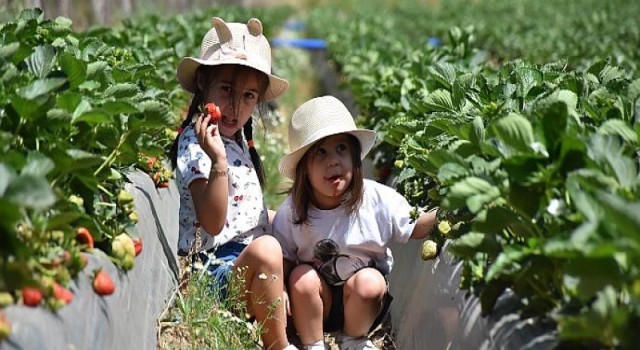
x=334, y=178
x=229, y=121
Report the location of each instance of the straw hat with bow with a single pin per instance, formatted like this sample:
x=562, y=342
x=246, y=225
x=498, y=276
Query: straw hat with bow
x=233, y=43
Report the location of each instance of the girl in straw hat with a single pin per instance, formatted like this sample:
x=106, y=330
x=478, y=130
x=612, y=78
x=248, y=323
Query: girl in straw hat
x=219, y=172
x=335, y=228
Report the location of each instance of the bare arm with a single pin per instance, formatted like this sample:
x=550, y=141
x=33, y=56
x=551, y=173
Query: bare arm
x=424, y=225
x=210, y=196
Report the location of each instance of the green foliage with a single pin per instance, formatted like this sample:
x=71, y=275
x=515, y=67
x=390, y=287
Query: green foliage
x=543, y=153
x=78, y=111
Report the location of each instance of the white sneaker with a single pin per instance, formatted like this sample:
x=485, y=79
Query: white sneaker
x=346, y=342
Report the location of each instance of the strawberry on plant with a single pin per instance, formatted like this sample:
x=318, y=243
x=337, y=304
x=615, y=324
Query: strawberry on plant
x=133, y=216
x=137, y=244
x=6, y=299
x=214, y=112
x=429, y=250
x=5, y=327
x=83, y=236
x=84, y=261
x=444, y=227
x=102, y=283
x=61, y=293
x=162, y=176
x=151, y=161
x=123, y=250
x=124, y=197
x=31, y=296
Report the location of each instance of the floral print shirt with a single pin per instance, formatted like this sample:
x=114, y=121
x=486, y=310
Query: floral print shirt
x=246, y=211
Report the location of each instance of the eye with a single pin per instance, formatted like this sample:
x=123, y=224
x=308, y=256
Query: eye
x=320, y=151
x=342, y=148
x=250, y=96
x=226, y=88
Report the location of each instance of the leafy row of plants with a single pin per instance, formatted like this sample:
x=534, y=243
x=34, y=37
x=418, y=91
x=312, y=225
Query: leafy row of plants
x=78, y=112
x=535, y=166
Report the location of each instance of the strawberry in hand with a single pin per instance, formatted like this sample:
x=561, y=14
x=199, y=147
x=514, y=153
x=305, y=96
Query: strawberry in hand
x=213, y=111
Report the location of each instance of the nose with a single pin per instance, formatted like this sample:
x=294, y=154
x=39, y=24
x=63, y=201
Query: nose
x=227, y=108
x=333, y=160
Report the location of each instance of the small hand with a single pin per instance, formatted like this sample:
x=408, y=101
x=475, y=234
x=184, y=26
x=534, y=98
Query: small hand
x=208, y=135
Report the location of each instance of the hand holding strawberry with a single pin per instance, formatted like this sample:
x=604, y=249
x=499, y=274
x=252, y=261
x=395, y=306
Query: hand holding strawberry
x=208, y=133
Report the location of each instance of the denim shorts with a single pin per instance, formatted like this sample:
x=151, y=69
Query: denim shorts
x=219, y=262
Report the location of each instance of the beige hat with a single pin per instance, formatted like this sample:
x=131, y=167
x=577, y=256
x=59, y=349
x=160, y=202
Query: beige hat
x=316, y=119
x=233, y=43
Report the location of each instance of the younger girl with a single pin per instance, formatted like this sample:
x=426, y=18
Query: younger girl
x=219, y=172
x=335, y=228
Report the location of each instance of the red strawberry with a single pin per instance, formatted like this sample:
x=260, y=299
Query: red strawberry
x=151, y=161
x=31, y=296
x=214, y=112
x=83, y=236
x=137, y=245
x=62, y=293
x=103, y=284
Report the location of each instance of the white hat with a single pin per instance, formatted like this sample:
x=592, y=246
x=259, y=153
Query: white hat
x=316, y=119
x=233, y=43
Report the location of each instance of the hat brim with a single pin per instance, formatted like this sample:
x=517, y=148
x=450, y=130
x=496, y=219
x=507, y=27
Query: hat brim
x=187, y=75
x=289, y=162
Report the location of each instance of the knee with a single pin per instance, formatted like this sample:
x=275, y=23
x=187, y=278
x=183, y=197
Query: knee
x=304, y=280
x=267, y=250
x=366, y=284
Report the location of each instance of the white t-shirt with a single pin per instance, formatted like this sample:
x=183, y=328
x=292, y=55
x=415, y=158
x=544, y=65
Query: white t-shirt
x=361, y=239
x=246, y=210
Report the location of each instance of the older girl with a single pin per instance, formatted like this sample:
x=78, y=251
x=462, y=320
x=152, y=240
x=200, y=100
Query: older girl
x=219, y=172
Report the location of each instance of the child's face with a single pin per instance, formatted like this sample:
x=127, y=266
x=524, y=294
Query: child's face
x=220, y=93
x=330, y=170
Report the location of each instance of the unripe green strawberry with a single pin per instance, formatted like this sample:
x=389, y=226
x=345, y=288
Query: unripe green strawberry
x=5, y=327
x=124, y=197
x=429, y=250
x=6, y=299
x=76, y=200
x=134, y=216
x=444, y=227
x=123, y=250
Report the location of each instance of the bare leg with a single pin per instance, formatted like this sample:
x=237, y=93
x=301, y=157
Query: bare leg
x=261, y=262
x=310, y=303
x=363, y=295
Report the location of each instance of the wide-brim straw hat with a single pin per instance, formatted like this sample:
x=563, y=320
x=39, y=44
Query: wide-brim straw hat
x=314, y=120
x=233, y=43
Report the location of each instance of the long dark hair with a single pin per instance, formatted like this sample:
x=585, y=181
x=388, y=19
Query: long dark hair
x=302, y=192
x=241, y=74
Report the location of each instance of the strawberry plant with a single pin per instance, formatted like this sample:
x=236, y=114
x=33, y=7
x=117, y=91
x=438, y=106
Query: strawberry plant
x=534, y=166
